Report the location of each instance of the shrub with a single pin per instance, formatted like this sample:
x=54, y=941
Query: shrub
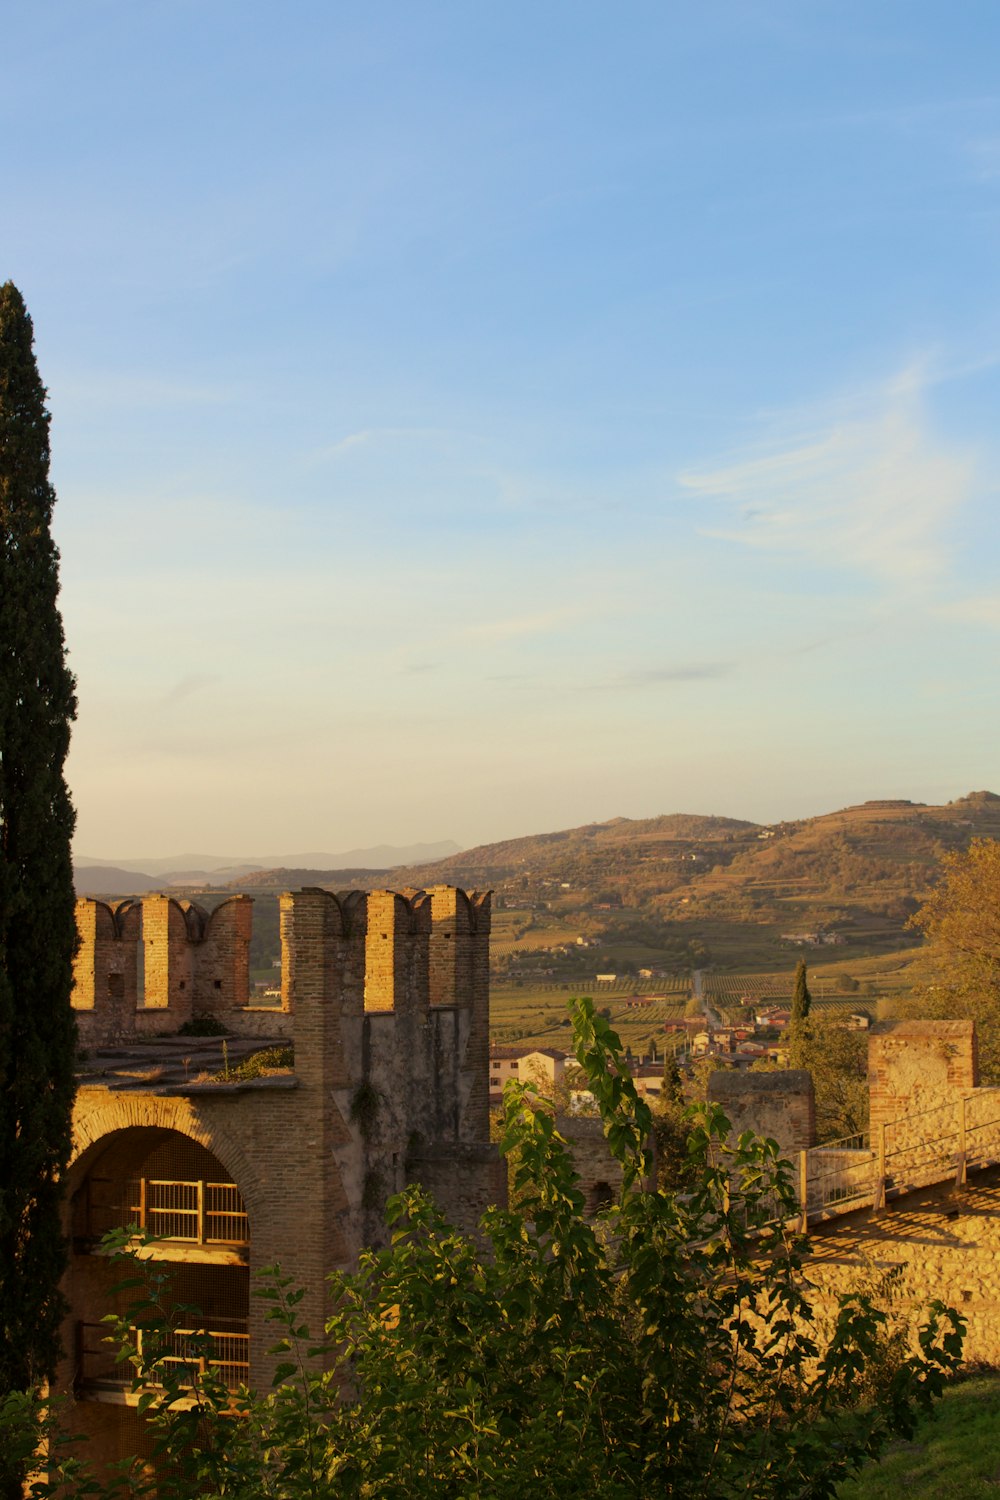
x=668, y=1348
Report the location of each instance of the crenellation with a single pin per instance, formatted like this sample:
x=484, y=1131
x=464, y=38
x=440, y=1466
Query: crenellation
x=224, y=969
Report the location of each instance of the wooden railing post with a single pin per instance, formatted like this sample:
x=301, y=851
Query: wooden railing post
x=878, y=1200
x=960, y=1175
x=142, y=1202
x=201, y=1211
x=804, y=1190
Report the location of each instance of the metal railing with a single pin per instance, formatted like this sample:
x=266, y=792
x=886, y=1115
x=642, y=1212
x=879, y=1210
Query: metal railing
x=224, y=1351
x=915, y=1151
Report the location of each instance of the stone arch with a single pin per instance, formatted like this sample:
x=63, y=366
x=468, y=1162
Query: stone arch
x=93, y=1131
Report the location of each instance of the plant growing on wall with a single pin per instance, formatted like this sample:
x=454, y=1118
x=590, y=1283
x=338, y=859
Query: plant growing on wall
x=365, y=1103
x=37, y=928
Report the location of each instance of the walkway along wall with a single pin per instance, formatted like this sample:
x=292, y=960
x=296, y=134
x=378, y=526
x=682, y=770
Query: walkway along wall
x=910, y=1208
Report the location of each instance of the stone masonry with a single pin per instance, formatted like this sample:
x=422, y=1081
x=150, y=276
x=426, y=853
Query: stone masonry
x=781, y=1105
x=909, y=1210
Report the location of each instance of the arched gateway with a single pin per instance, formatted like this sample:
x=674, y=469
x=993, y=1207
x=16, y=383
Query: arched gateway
x=166, y=1184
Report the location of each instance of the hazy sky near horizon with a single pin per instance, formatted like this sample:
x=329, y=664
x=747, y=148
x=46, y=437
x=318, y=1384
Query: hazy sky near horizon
x=470, y=420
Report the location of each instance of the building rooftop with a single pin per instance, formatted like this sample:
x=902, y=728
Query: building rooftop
x=180, y=1065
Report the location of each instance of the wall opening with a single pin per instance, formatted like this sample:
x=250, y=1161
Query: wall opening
x=160, y=1183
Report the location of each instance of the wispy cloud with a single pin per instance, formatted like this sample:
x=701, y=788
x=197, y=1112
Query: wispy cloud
x=684, y=672
x=185, y=687
x=984, y=155
x=524, y=625
x=871, y=493
x=984, y=610
x=367, y=437
x=134, y=391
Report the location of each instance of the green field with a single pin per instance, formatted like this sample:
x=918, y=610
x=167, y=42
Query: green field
x=533, y=1010
x=537, y=1015
x=955, y=1455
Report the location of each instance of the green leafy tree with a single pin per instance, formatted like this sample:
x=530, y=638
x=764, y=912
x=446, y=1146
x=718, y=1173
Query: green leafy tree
x=667, y=1349
x=837, y=1058
x=673, y=1087
x=961, y=921
x=37, y=928
x=801, y=998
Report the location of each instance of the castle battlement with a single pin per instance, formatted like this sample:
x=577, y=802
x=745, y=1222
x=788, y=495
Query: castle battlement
x=385, y=1002
x=147, y=967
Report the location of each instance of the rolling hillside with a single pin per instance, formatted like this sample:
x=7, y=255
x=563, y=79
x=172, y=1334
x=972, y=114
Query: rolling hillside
x=679, y=892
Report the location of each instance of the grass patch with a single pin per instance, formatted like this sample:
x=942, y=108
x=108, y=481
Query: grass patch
x=954, y=1455
x=202, y=1026
x=258, y=1065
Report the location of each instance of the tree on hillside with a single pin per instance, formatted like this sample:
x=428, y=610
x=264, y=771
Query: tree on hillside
x=962, y=913
x=801, y=998
x=961, y=921
x=673, y=1087
x=838, y=1061
x=37, y=926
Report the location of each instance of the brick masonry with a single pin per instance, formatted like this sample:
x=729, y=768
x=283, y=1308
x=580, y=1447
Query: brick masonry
x=385, y=999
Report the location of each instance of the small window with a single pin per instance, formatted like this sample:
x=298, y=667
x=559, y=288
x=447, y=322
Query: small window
x=601, y=1196
x=218, y=984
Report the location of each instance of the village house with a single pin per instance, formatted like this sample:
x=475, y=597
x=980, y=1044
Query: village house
x=543, y=1066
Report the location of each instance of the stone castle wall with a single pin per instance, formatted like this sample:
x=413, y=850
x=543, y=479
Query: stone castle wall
x=781, y=1105
x=933, y=1243
x=385, y=1001
x=910, y=1211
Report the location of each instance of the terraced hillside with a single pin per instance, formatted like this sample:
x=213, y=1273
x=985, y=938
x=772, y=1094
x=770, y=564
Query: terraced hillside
x=724, y=891
x=648, y=902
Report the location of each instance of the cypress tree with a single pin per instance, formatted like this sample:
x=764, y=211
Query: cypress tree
x=801, y=998
x=37, y=924
x=673, y=1089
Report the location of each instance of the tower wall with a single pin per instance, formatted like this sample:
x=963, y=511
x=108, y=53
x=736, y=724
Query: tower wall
x=916, y=1066
x=780, y=1105
x=383, y=1089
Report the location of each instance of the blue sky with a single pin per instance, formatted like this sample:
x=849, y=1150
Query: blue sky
x=470, y=420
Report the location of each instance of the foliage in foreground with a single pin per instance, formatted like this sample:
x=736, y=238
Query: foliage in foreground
x=667, y=1348
x=37, y=925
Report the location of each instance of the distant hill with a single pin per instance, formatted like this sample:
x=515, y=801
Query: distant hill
x=111, y=880
x=99, y=876
x=621, y=843
x=703, y=889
